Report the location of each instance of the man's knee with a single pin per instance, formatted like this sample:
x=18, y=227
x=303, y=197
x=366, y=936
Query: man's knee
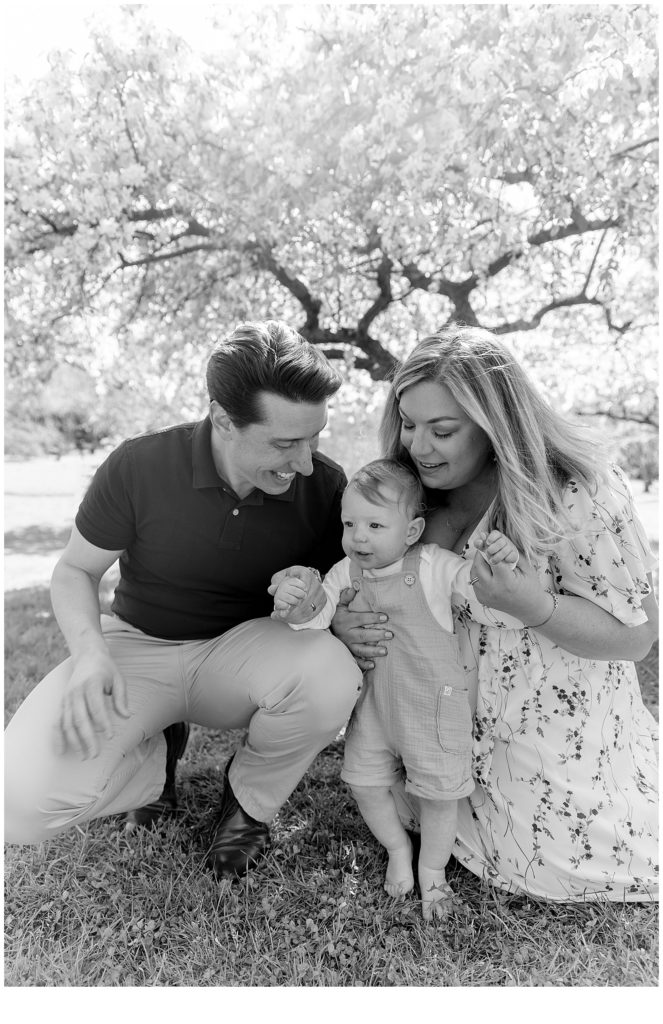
x=23, y=831
x=41, y=800
x=35, y=807
x=333, y=680
x=24, y=823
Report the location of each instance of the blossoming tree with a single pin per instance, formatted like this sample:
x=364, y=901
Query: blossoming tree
x=366, y=172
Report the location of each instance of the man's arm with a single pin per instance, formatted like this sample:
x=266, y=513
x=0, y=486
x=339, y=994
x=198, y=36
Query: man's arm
x=304, y=613
x=95, y=677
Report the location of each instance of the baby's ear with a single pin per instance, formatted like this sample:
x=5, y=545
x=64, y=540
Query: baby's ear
x=415, y=528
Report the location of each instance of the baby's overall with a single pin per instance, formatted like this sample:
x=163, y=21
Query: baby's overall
x=414, y=712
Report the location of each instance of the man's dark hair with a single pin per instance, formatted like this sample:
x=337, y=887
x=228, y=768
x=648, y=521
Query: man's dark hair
x=267, y=356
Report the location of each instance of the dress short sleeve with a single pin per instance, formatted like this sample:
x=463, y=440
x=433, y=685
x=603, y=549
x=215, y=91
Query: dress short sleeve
x=608, y=560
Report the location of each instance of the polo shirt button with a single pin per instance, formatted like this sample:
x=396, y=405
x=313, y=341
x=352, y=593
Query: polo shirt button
x=235, y=511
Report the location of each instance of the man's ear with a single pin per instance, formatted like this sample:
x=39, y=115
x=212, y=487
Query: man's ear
x=220, y=419
x=415, y=529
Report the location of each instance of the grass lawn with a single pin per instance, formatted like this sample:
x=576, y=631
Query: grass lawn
x=103, y=907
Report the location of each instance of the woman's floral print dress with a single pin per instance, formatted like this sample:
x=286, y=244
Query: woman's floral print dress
x=565, y=753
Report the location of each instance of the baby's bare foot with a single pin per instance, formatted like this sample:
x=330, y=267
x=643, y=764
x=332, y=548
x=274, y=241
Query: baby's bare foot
x=399, y=878
x=437, y=896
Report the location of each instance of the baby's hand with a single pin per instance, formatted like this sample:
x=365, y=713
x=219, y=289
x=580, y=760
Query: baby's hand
x=287, y=595
x=496, y=548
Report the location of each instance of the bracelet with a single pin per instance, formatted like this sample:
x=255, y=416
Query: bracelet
x=315, y=572
x=548, y=617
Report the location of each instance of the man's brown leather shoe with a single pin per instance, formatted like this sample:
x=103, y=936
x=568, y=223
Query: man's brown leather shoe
x=177, y=736
x=239, y=840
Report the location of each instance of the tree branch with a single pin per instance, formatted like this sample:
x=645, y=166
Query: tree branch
x=127, y=130
x=529, y=325
x=263, y=257
x=517, y=177
x=577, y=226
x=384, y=299
x=458, y=292
x=377, y=360
x=647, y=419
x=160, y=258
x=193, y=229
x=581, y=299
x=636, y=145
x=593, y=263
x=137, y=302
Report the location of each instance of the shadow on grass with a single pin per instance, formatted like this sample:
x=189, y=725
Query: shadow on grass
x=99, y=906
x=102, y=907
x=33, y=642
x=36, y=540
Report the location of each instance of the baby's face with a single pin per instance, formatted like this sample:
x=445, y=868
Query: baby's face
x=374, y=535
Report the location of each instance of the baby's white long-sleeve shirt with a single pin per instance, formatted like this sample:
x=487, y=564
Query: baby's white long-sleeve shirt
x=443, y=575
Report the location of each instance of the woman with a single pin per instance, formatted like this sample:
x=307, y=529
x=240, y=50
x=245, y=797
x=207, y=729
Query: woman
x=565, y=806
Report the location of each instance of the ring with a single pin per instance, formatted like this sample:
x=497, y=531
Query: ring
x=473, y=580
x=313, y=606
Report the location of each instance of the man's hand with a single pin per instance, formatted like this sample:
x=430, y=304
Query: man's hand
x=360, y=631
x=308, y=585
x=290, y=603
x=94, y=683
x=289, y=593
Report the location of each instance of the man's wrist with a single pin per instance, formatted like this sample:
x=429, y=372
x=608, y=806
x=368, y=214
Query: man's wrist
x=88, y=643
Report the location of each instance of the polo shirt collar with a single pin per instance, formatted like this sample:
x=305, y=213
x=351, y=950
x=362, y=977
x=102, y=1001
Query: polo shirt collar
x=204, y=470
x=205, y=473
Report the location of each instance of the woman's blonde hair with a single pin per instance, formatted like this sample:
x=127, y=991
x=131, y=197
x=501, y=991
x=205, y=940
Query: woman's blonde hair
x=536, y=450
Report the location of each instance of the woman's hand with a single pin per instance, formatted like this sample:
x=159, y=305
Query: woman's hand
x=361, y=632
x=576, y=624
x=518, y=592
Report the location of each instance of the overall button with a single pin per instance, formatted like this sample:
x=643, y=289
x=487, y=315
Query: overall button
x=235, y=511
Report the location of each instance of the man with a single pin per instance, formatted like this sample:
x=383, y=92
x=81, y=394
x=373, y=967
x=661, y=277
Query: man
x=201, y=515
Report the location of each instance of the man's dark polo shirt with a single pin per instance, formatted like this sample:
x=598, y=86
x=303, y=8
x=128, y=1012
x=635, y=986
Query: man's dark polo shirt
x=197, y=560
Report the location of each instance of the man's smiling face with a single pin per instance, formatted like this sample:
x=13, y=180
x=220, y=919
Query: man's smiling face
x=269, y=454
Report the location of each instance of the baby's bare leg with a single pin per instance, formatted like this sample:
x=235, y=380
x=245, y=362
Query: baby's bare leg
x=439, y=820
x=378, y=810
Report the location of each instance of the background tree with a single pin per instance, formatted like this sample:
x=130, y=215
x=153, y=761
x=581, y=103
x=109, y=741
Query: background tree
x=365, y=172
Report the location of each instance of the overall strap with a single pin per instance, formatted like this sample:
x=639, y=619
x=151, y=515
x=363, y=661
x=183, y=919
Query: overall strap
x=356, y=574
x=411, y=561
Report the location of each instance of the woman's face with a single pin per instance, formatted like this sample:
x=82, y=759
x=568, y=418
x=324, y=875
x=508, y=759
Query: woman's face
x=446, y=446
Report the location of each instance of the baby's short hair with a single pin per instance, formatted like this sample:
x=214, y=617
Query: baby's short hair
x=372, y=480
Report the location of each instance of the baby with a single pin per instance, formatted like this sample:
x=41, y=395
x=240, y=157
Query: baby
x=413, y=714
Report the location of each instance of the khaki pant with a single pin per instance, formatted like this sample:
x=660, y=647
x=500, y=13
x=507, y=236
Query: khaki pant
x=293, y=690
